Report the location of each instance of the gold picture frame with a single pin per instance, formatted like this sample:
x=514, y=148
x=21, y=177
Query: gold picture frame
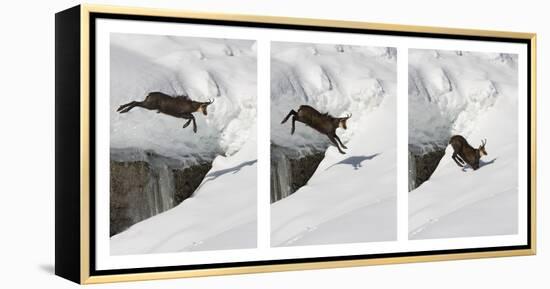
x=74, y=67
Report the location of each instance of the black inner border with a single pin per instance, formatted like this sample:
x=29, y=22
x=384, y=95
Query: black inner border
x=92, y=70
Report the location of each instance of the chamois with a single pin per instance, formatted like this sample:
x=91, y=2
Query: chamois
x=464, y=153
x=180, y=106
x=321, y=122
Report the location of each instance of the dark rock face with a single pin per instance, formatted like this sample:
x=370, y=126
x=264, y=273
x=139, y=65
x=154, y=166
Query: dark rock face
x=187, y=180
x=303, y=168
x=141, y=189
x=422, y=166
x=127, y=188
x=291, y=170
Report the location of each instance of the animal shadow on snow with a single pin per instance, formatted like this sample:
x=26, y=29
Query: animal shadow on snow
x=214, y=175
x=355, y=161
x=482, y=163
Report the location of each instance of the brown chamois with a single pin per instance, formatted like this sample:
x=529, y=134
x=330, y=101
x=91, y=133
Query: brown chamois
x=179, y=106
x=321, y=122
x=464, y=153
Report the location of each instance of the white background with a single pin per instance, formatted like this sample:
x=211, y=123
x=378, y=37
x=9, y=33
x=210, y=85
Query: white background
x=27, y=129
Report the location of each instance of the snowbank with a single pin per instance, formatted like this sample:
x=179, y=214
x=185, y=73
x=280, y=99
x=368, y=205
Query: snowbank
x=450, y=90
x=475, y=95
x=223, y=70
x=332, y=78
x=349, y=198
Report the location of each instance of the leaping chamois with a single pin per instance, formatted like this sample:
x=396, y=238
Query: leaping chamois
x=179, y=106
x=464, y=153
x=321, y=122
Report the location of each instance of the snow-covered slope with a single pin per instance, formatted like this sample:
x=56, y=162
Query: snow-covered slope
x=475, y=95
x=350, y=198
x=221, y=214
x=223, y=70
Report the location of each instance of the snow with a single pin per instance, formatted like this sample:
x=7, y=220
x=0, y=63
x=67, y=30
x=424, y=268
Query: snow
x=329, y=80
x=202, y=68
x=350, y=198
x=448, y=92
x=474, y=95
x=221, y=213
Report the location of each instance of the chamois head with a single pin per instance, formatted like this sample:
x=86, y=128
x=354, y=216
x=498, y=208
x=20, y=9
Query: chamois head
x=203, y=106
x=482, y=151
x=342, y=121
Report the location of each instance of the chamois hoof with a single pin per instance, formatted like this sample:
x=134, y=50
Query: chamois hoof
x=344, y=147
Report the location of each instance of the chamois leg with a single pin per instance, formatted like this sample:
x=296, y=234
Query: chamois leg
x=341, y=144
x=455, y=158
x=123, y=106
x=460, y=159
x=331, y=138
x=186, y=124
x=293, y=125
x=292, y=112
x=194, y=125
x=190, y=118
x=130, y=104
x=127, y=107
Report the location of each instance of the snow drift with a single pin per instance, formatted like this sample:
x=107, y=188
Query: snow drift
x=449, y=91
x=223, y=70
x=349, y=198
x=474, y=95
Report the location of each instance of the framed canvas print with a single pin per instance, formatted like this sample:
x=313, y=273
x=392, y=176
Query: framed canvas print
x=193, y=144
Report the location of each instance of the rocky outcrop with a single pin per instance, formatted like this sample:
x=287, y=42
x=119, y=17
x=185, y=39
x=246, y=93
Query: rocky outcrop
x=140, y=189
x=422, y=165
x=291, y=169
